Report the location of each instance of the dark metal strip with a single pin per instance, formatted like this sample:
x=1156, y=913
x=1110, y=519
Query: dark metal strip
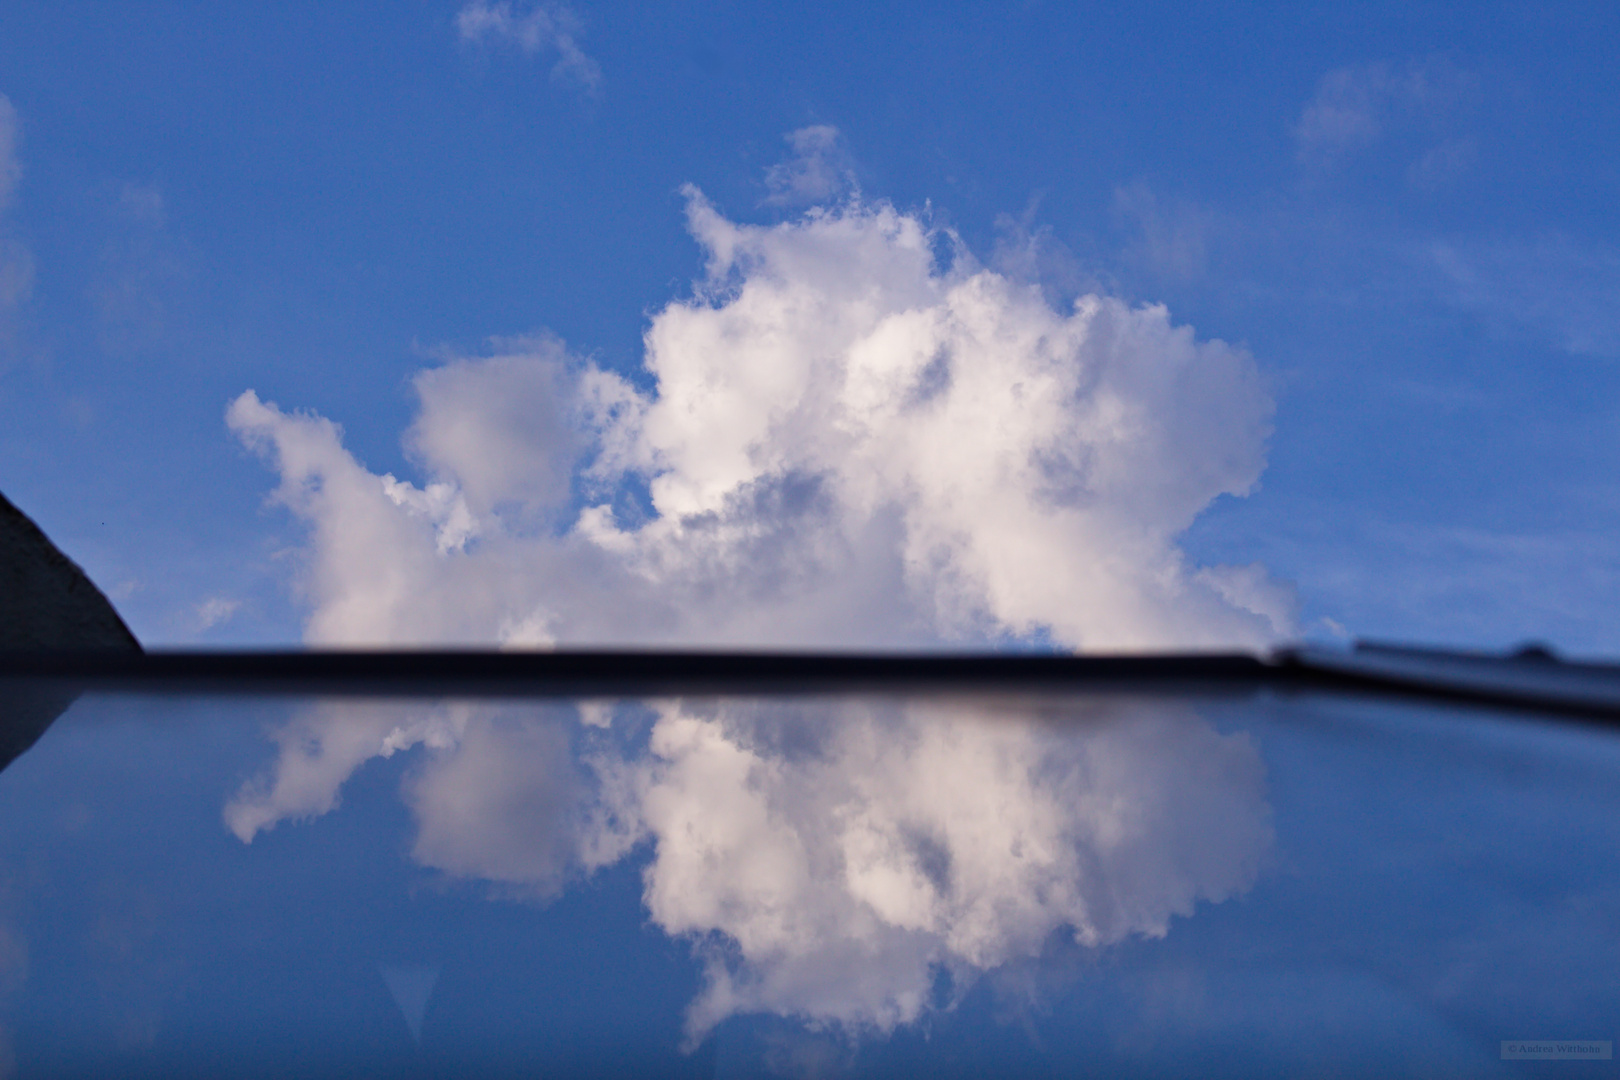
x=1526, y=684
x=457, y=673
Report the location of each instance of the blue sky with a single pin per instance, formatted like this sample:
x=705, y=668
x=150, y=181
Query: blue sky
x=1405, y=215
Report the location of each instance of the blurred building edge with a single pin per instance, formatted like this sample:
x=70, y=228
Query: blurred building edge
x=46, y=604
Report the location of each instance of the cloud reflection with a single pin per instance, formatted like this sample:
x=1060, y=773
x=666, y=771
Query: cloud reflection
x=850, y=864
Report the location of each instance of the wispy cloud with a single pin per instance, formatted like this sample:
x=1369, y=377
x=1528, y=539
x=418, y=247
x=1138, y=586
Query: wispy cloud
x=819, y=170
x=1168, y=237
x=16, y=262
x=543, y=28
x=10, y=164
x=214, y=611
x=1357, y=107
x=1555, y=285
x=141, y=274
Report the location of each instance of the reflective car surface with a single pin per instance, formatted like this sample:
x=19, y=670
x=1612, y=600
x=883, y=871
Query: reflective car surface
x=961, y=883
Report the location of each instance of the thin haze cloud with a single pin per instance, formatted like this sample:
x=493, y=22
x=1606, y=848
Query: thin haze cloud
x=545, y=27
x=143, y=273
x=819, y=169
x=1169, y=237
x=1357, y=107
x=16, y=262
x=10, y=164
x=1565, y=288
x=214, y=611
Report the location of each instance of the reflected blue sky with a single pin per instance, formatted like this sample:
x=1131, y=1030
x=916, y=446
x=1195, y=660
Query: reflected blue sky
x=1229, y=888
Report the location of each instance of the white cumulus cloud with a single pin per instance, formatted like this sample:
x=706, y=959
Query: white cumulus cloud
x=846, y=443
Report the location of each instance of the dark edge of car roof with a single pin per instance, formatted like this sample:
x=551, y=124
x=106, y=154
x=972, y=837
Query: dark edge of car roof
x=1527, y=681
